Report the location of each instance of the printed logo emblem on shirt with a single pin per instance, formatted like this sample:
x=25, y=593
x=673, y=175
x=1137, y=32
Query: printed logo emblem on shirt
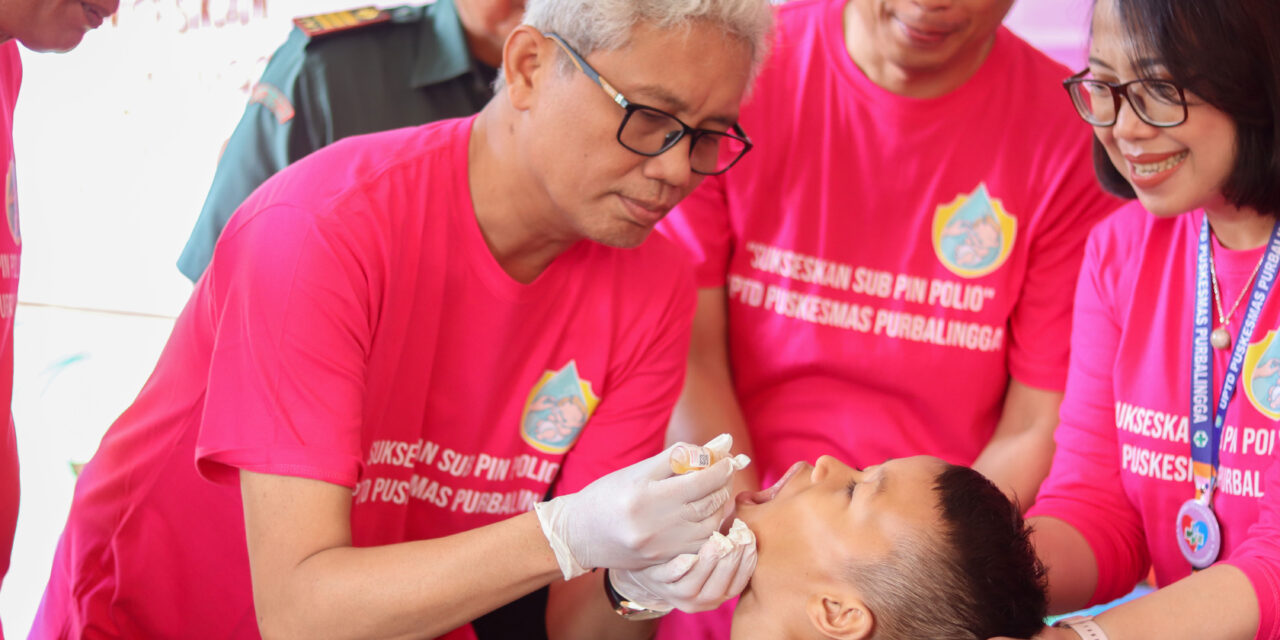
x=1262, y=375
x=557, y=409
x=973, y=235
x=11, y=201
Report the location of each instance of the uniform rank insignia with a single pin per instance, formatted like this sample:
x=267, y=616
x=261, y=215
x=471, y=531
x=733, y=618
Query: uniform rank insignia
x=326, y=23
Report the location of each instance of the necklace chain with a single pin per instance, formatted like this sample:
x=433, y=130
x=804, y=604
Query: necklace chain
x=1223, y=318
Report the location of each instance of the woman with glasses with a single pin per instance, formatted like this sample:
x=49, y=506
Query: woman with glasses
x=1166, y=451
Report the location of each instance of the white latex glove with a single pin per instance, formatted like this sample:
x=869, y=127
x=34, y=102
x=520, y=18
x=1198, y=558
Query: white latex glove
x=693, y=583
x=638, y=516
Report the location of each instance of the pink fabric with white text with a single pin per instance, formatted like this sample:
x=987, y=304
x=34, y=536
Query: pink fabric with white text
x=891, y=262
x=354, y=328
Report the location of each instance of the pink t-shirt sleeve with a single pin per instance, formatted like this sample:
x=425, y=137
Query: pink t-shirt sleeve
x=286, y=376
x=630, y=424
x=1259, y=556
x=700, y=225
x=1084, y=486
x=1040, y=323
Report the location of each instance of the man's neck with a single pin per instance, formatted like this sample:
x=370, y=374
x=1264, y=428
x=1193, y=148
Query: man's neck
x=513, y=214
x=753, y=621
x=755, y=628
x=921, y=84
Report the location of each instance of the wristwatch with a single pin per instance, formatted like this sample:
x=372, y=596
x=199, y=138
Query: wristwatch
x=626, y=608
x=1084, y=626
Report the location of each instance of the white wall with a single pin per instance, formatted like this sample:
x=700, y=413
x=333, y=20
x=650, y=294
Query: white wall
x=1060, y=28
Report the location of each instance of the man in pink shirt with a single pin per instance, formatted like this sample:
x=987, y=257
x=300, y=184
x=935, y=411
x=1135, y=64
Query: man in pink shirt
x=407, y=340
x=40, y=25
x=889, y=272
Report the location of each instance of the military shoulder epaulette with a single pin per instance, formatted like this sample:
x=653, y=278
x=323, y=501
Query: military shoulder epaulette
x=327, y=23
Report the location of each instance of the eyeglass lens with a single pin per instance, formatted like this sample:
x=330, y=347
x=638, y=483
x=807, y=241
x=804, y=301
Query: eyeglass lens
x=650, y=132
x=1155, y=101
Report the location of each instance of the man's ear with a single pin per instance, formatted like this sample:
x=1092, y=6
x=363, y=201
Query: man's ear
x=842, y=617
x=523, y=56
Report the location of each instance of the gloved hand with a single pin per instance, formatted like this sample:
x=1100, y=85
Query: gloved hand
x=688, y=457
x=636, y=517
x=693, y=583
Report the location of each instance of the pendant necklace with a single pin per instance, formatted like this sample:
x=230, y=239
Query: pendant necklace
x=1220, y=338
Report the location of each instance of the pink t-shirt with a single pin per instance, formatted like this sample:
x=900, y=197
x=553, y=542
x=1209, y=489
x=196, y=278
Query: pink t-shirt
x=354, y=328
x=891, y=262
x=10, y=255
x=1123, y=461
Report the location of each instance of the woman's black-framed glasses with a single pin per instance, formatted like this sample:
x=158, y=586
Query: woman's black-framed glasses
x=650, y=132
x=1159, y=103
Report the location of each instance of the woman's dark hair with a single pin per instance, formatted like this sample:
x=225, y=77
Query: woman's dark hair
x=1227, y=53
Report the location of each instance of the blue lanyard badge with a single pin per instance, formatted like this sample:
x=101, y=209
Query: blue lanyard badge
x=1199, y=537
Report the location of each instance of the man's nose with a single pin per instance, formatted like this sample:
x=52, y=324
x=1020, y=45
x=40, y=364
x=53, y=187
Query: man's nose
x=823, y=467
x=673, y=166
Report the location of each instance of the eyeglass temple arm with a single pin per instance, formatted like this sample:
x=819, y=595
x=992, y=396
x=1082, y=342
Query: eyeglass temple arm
x=586, y=68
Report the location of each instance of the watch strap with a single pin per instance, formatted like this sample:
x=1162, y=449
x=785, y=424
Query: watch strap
x=624, y=607
x=1084, y=626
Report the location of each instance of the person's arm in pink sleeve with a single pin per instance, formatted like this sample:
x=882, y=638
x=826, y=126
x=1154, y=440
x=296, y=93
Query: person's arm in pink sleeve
x=708, y=405
x=290, y=342
x=1215, y=604
x=1018, y=455
x=1088, y=533
x=283, y=423
x=1259, y=556
x=308, y=580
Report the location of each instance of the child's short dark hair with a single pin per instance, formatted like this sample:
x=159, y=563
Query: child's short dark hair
x=1226, y=53
x=978, y=579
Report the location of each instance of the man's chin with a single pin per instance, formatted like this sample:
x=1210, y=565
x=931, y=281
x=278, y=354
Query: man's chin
x=626, y=239
x=61, y=42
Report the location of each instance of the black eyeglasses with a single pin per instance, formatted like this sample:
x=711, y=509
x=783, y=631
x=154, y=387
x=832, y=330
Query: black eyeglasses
x=1159, y=103
x=650, y=132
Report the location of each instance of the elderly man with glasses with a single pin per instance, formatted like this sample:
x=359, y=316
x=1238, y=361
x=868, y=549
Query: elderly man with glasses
x=406, y=340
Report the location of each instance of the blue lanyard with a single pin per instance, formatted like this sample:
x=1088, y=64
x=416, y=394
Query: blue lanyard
x=1204, y=440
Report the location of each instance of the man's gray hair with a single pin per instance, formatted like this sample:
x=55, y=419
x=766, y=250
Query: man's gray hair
x=605, y=25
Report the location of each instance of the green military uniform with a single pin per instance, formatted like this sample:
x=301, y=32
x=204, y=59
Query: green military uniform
x=340, y=75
